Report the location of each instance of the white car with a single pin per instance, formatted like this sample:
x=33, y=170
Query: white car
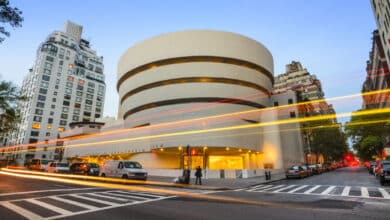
x=123, y=169
x=57, y=167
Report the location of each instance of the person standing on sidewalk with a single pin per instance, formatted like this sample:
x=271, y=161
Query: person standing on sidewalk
x=198, y=174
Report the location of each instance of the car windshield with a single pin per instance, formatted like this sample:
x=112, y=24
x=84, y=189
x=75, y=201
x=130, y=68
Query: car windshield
x=133, y=165
x=386, y=166
x=294, y=168
x=62, y=165
x=93, y=165
x=46, y=161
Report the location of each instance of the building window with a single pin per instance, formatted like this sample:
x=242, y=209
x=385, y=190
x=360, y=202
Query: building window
x=75, y=118
x=37, y=118
x=36, y=125
x=91, y=84
x=97, y=115
x=77, y=105
x=49, y=127
x=98, y=110
x=100, y=93
x=40, y=104
x=76, y=111
x=32, y=140
x=47, y=71
x=54, y=99
x=46, y=77
x=78, y=93
x=69, y=84
x=49, y=58
x=61, y=129
x=47, y=134
x=90, y=90
x=64, y=116
x=276, y=103
x=67, y=97
x=39, y=111
x=65, y=109
x=89, y=102
x=290, y=101
x=43, y=91
x=62, y=122
x=55, y=93
x=45, y=85
x=34, y=133
x=87, y=113
x=66, y=103
x=70, y=78
x=292, y=115
x=41, y=97
x=68, y=91
x=56, y=86
x=88, y=107
x=81, y=82
x=51, y=113
x=50, y=120
x=98, y=104
x=78, y=99
x=89, y=96
x=53, y=106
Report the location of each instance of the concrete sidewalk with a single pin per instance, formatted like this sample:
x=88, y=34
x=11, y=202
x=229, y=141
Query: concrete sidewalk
x=222, y=184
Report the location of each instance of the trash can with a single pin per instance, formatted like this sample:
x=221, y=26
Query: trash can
x=186, y=176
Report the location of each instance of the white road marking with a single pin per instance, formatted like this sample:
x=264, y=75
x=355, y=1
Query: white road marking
x=44, y=191
x=21, y=211
x=288, y=187
x=259, y=187
x=385, y=194
x=144, y=194
x=328, y=190
x=312, y=189
x=90, y=207
x=126, y=196
x=48, y=206
x=346, y=191
x=364, y=191
x=107, y=197
x=266, y=190
x=93, y=200
x=296, y=189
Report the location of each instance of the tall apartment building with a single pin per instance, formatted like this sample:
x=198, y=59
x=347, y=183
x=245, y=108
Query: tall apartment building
x=65, y=85
x=381, y=9
x=378, y=76
x=306, y=86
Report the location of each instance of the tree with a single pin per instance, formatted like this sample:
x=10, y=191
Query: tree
x=10, y=15
x=369, y=133
x=9, y=115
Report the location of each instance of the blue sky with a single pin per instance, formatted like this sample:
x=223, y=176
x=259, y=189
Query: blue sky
x=331, y=38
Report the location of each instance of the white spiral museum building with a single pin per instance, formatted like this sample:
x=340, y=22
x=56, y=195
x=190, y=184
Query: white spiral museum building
x=205, y=89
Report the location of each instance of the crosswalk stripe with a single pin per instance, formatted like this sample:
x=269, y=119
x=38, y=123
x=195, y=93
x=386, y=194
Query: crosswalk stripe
x=346, y=191
x=48, y=206
x=262, y=187
x=328, y=190
x=284, y=188
x=21, y=211
x=93, y=200
x=267, y=190
x=364, y=191
x=385, y=194
x=89, y=207
x=126, y=195
x=296, y=189
x=312, y=189
x=141, y=194
x=107, y=197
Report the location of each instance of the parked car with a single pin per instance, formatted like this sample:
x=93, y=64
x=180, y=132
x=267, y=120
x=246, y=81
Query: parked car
x=316, y=168
x=384, y=172
x=308, y=170
x=123, y=169
x=296, y=172
x=371, y=170
x=57, y=167
x=38, y=164
x=84, y=168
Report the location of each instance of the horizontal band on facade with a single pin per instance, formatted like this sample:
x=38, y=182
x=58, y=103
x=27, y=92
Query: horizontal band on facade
x=190, y=59
x=195, y=80
x=192, y=100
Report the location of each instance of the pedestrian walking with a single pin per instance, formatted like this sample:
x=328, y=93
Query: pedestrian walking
x=198, y=174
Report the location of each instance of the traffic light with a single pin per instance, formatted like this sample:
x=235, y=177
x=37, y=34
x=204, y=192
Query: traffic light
x=194, y=152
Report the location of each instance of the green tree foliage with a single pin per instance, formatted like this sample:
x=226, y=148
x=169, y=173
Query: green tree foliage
x=9, y=15
x=364, y=128
x=9, y=116
x=369, y=146
x=326, y=136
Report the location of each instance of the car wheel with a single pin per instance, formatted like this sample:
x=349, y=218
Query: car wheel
x=125, y=176
x=103, y=175
x=382, y=181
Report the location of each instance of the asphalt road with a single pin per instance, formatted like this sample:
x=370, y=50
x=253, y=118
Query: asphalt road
x=320, y=199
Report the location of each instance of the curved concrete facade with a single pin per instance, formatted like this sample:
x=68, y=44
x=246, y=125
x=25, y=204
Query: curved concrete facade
x=181, y=67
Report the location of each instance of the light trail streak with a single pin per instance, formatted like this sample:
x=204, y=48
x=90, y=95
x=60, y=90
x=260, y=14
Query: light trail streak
x=169, y=192
x=228, y=128
x=191, y=121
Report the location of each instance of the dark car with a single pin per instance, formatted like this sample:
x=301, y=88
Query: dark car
x=316, y=168
x=296, y=172
x=84, y=168
x=384, y=172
